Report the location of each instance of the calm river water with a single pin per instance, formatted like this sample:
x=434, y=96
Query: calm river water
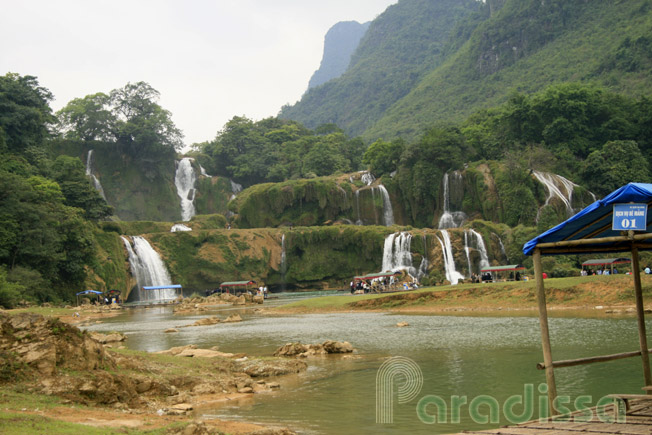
x=456, y=356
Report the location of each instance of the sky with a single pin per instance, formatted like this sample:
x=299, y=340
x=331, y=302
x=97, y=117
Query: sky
x=210, y=60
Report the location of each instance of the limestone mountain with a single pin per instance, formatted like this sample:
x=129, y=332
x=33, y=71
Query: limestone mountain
x=340, y=42
x=424, y=62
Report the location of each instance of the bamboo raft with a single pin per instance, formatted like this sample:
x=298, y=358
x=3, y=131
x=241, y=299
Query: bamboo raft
x=637, y=421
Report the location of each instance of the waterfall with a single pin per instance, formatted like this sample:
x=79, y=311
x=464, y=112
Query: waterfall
x=388, y=212
x=367, y=178
x=452, y=275
x=557, y=187
x=482, y=249
x=147, y=267
x=283, y=265
x=467, y=251
x=502, y=247
x=423, y=267
x=89, y=173
x=202, y=171
x=450, y=219
x=235, y=189
x=397, y=255
x=357, y=207
x=185, y=179
x=179, y=227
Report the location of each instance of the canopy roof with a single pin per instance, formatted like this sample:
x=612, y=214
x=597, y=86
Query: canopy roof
x=86, y=292
x=594, y=222
x=502, y=268
x=236, y=283
x=606, y=261
x=375, y=275
x=161, y=287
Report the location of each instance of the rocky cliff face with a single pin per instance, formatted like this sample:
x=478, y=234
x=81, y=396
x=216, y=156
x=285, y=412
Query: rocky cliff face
x=339, y=44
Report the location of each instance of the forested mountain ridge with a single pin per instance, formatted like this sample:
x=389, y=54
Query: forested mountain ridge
x=400, y=46
x=501, y=48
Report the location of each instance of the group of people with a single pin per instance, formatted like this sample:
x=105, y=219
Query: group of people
x=262, y=291
x=378, y=285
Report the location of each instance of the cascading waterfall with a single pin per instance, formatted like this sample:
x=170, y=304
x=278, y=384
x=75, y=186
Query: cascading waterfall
x=452, y=275
x=397, y=255
x=423, y=267
x=479, y=246
x=179, y=227
x=502, y=247
x=388, y=212
x=357, y=207
x=235, y=189
x=367, y=178
x=89, y=172
x=283, y=265
x=147, y=267
x=184, y=179
x=202, y=171
x=557, y=187
x=450, y=219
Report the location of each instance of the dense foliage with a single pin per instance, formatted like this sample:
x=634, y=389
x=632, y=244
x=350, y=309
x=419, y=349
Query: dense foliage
x=129, y=117
x=277, y=150
x=46, y=205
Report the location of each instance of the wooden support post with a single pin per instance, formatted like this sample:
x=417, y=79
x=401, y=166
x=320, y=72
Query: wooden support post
x=545, y=334
x=640, y=316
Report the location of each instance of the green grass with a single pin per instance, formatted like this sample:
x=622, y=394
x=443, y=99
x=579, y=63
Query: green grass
x=44, y=311
x=13, y=423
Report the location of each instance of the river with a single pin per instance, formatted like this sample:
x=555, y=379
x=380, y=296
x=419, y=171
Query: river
x=465, y=356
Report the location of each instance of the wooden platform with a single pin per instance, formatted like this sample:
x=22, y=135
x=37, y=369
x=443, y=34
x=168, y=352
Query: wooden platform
x=638, y=421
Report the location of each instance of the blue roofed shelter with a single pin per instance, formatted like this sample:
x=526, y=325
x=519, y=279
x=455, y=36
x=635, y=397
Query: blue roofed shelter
x=620, y=222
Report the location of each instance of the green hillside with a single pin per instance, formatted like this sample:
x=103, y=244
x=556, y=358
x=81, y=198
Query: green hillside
x=402, y=45
x=524, y=46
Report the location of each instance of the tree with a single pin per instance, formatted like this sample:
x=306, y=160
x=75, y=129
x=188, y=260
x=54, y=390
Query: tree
x=142, y=126
x=24, y=112
x=70, y=173
x=383, y=157
x=616, y=164
x=89, y=118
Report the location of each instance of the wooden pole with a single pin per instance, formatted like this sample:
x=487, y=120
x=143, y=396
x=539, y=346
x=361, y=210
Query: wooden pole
x=640, y=316
x=545, y=334
x=591, y=359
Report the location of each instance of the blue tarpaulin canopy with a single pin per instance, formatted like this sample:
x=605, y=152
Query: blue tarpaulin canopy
x=86, y=292
x=590, y=231
x=594, y=223
x=161, y=287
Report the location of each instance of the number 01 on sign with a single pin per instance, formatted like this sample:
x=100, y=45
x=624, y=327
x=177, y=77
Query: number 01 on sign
x=629, y=217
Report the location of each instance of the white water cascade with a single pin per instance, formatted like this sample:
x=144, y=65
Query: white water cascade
x=202, y=172
x=452, y=275
x=478, y=244
x=557, y=187
x=147, y=267
x=184, y=179
x=179, y=227
x=423, y=267
x=235, y=189
x=89, y=173
x=357, y=207
x=367, y=178
x=388, y=212
x=397, y=255
x=450, y=219
x=283, y=265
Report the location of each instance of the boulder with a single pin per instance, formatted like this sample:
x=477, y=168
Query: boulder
x=258, y=299
x=267, y=368
x=233, y=318
x=207, y=321
x=305, y=350
x=402, y=324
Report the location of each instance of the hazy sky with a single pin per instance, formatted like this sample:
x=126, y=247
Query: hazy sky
x=210, y=60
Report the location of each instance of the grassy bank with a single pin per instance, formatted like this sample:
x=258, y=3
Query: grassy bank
x=573, y=292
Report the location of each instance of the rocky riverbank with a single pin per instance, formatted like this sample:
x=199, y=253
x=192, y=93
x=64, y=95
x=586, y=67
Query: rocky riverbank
x=52, y=362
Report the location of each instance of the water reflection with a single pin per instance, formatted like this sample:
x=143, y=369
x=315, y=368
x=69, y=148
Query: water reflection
x=464, y=356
